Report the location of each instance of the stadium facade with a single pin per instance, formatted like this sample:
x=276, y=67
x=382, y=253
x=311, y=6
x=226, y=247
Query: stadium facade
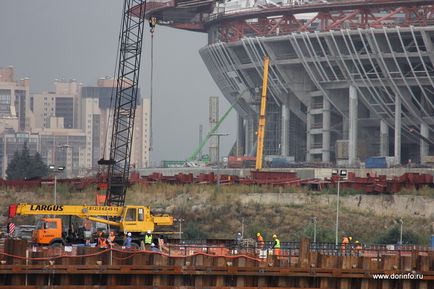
x=348, y=80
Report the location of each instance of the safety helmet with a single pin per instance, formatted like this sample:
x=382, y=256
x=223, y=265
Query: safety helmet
x=258, y=234
x=274, y=236
x=152, y=245
x=149, y=232
x=349, y=238
x=357, y=242
x=129, y=234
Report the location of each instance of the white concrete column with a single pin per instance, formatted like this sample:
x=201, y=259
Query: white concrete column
x=352, y=126
x=308, y=135
x=284, y=147
x=398, y=111
x=326, y=130
x=250, y=134
x=239, y=150
x=384, y=139
x=424, y=146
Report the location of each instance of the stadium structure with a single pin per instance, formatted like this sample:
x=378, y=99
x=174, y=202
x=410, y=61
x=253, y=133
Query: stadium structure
x=347, y=79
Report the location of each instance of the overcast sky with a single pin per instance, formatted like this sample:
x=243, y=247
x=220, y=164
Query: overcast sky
x=52, y=39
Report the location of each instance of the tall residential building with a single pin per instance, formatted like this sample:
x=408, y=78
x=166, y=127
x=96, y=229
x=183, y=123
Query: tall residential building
x=57, y=109
x=15, y=103
x=142, y=135
x=96, y=121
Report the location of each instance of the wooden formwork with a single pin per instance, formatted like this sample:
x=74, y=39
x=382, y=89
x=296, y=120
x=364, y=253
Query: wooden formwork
x=87, y=267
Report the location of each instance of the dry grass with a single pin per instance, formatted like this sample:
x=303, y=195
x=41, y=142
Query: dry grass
x=219, y=213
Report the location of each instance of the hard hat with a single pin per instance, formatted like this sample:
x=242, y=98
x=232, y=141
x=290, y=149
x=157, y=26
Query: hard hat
x=357, y=241
x=129, y=234
x=149, y=232
x=258, y=234
x=152, y=245
x=274, y=236
x=349, y=238
x=239, y=234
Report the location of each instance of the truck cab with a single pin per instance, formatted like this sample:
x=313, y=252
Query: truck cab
x=48, y=231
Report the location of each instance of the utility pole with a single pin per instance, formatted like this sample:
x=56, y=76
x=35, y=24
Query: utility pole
x=218, y=135
x=400, y=230
x=314, y=220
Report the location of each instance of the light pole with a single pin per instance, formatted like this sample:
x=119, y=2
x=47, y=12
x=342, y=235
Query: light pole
x=218, y=135
x=55, y=170
x=180, y=220
x=314, y=220
x=340, y=174
x=400, y=230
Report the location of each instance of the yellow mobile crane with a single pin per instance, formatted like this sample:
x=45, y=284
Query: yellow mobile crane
x=261, y=125
x=134, y=219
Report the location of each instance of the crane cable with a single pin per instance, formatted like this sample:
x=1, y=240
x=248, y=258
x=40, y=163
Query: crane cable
x=152, y=24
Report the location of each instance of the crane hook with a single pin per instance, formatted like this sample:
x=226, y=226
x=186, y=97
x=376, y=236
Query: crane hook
x=152, y=23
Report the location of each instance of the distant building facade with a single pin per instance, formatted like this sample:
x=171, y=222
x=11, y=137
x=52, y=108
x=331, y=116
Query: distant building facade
x=57, y=109
x=14, y=101
x=70, y=126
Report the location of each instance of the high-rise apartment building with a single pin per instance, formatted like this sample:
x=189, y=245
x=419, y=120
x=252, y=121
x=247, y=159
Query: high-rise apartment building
x=57, y=109
x=15, y=103
x=142, y=135
x=97, y=122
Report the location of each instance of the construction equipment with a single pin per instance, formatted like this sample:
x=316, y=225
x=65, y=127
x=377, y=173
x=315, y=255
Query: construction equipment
x=261, y=126
x=125, y=102
x=193, y=156
x=134, y=219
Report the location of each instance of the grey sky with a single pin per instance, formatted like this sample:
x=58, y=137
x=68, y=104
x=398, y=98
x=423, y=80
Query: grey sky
x=49, y=39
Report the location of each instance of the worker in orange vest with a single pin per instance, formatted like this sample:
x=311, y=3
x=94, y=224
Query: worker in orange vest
x=345, y=244
x=102, y=242
x=260, y=241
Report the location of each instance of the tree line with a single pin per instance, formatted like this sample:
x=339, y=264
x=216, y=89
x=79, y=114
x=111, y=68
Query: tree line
x=24, y=166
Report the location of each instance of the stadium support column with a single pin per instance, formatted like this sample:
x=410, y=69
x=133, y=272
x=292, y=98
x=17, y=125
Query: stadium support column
x=384, y=139
x=284, y=147
x=240, y=148
x=250, y=134
x=326, y=131
x=308, y=136
x=423, y=144
x=352, y=126
x=397, y=149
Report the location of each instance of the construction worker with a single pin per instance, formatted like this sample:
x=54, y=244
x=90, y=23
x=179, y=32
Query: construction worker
x=259, y=241
x=111, y=239
x=148, y=240
x=102, y=241
x=276, y=245
x=345, y=244
x=128, y=240
x=358, y=248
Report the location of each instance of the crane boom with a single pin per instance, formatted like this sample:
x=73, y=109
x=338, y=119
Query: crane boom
x=261, y=126
x=131, y=39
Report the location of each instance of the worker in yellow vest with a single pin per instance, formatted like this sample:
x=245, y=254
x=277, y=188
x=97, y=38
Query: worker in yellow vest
x=148, y=240
x=276, y=245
